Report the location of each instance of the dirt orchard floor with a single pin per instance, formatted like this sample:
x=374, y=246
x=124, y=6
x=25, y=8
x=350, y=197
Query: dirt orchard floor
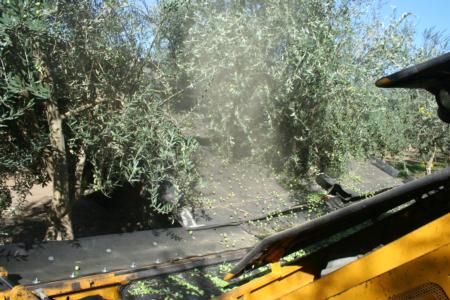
x=94, y=214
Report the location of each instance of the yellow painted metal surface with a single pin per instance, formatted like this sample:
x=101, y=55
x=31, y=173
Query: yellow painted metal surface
x=107, y=293
x=426, y=276
x=273, y=285
x=86, y=284
x=413, y=253
x=383, y=82
x=18, y=293
x=105, y=285
x=3, y=272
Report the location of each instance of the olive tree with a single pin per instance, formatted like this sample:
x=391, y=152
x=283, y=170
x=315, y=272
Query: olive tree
x=294, y=80
x=79, y=87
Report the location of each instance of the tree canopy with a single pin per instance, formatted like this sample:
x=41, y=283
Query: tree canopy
x=89, y=90
x=295, y=81
x=75, y=97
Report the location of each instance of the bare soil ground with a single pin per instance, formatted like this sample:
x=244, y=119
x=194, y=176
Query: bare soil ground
x=94, y=214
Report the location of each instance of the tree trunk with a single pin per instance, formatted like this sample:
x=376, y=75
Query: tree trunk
x=60, y=223
x=430, y=162
x=79, y=168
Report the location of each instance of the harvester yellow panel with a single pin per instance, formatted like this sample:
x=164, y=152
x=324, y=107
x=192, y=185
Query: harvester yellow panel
x=404, y=266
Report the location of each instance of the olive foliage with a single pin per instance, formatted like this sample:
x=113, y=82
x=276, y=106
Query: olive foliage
x=292, y=82
x=82, y=104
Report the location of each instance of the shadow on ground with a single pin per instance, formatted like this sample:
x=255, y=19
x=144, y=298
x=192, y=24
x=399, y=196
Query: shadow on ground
x=94, y=214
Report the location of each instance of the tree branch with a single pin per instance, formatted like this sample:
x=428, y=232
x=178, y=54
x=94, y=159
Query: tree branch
x=82, y=108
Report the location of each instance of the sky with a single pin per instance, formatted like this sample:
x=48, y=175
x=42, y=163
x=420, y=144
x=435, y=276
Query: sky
x=426, y=13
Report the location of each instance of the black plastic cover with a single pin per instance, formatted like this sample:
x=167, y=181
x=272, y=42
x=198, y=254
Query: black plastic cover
x=431, y=75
